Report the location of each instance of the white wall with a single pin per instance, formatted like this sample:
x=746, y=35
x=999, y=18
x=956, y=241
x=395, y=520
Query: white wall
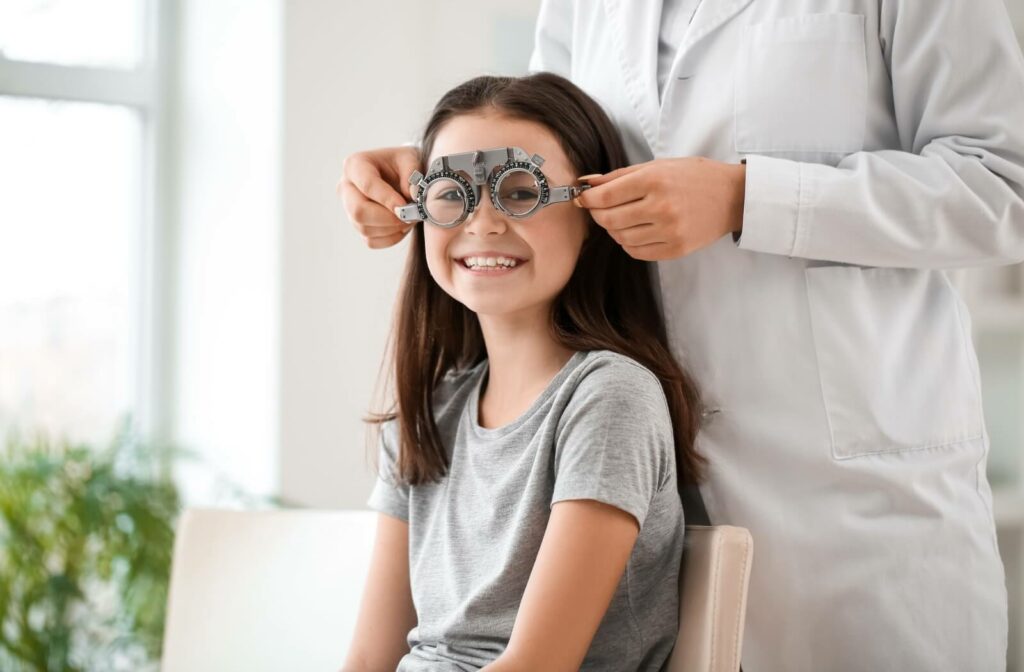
x=357, y=76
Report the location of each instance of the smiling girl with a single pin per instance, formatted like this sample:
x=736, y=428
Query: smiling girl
x=527, y=491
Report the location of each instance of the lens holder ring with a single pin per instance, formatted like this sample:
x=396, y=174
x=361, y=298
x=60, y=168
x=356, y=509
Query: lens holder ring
x=467, y=188
x=529, y=167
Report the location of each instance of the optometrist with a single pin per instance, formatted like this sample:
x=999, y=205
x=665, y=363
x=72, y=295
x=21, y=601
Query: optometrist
x=808, y=290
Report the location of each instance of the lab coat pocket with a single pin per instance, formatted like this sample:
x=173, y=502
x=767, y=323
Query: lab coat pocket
x=894, y=359
x=801, y=87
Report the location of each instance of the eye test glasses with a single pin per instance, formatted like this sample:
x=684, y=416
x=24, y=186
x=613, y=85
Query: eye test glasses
x=450, y=191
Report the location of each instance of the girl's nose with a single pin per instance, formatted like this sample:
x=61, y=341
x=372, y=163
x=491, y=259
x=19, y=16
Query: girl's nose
x=485, y=218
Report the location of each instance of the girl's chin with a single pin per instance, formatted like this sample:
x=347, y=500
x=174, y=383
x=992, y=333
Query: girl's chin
x=502, y=306
x=490, y=309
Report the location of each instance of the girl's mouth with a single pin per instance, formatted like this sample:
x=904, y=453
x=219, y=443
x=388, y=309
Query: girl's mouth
x=490, y=265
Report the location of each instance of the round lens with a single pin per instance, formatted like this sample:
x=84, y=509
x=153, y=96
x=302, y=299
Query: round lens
x=518, y=192
x=445, y=201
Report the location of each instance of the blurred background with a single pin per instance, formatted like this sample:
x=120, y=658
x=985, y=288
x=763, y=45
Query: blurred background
x=176, y=269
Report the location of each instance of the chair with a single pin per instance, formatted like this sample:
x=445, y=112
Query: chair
x=265, y=590
x=279, y=590
x=712, y=599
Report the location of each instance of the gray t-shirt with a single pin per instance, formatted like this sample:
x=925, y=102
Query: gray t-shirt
x=602, y=431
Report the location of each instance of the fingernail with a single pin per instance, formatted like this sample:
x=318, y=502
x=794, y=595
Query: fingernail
x=576, y=202
x=584, y=178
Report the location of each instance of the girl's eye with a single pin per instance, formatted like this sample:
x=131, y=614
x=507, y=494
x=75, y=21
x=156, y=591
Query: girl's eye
x=522, y=195
x=451, y=195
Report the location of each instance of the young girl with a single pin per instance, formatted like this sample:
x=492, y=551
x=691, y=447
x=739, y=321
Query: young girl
x=530, y=517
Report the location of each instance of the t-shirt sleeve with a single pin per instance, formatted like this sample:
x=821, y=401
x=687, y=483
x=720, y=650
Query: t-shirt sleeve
x=615, y=443
x=390, y=495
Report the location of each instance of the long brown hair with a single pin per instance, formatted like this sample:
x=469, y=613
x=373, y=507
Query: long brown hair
x=608, y=303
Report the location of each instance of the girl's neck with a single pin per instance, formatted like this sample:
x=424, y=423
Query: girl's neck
x=522, y=357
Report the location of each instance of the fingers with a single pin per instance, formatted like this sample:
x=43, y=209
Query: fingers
x=652, y=252
x=408, y=163
x=367, y=178
x=614, y=189
x=608, y=177
x=623, y=216
x=637, y=236
x=369, y=189
x=382, y=175
x=386, y=241
x=371, y=219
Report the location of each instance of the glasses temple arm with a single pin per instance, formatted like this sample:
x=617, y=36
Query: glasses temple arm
x=562, y=194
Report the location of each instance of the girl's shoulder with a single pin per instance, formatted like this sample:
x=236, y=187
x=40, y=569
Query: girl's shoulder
x=616, y=385
x=606, y=367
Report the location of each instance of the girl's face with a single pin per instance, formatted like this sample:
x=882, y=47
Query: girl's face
x=544, y=245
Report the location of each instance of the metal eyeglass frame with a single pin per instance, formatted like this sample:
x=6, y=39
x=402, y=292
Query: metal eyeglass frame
x=480, y=165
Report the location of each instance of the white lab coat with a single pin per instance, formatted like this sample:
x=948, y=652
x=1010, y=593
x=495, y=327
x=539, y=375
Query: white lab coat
x=885, y=144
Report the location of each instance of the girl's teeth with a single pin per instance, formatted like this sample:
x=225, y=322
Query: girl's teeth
x=490, y=262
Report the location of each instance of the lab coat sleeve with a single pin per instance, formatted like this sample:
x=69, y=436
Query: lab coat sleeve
x=552, y=46
x=953, y=195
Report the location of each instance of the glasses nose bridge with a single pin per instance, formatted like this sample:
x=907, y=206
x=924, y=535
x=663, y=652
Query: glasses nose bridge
x=484, y=200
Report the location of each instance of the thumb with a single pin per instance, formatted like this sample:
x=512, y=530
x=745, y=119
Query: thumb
x=406, y=164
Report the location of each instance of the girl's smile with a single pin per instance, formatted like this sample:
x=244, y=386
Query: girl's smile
x=490, y=264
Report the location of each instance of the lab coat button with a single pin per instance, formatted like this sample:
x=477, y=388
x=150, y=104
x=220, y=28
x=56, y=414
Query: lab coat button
x=708, y=413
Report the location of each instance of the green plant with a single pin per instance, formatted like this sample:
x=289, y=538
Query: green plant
x=86, y=538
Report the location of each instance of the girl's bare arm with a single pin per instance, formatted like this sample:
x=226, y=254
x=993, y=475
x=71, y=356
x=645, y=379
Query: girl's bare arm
x=581, y=560
x=386, y=611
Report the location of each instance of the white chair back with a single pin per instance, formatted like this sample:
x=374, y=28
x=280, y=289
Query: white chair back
x=265, y=591
x=712, y=599
x=255, y=591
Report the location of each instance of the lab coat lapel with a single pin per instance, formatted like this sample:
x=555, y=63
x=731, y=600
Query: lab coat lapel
x=710, y=15
x=635, y=26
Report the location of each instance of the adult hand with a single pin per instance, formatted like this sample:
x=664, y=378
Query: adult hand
x=668, y=208
x=372, y=185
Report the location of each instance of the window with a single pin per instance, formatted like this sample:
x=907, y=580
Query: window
x=94, y=33
x=79, y=172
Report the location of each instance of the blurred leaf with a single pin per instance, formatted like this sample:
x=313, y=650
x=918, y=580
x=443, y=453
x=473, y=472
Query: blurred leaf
x=70, y=516
x=86, y=541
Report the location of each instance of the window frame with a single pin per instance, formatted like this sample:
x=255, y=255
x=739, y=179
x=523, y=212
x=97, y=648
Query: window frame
x=148, y=90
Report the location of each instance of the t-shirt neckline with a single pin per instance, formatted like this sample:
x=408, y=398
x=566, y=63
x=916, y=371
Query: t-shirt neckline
x=472, y=408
